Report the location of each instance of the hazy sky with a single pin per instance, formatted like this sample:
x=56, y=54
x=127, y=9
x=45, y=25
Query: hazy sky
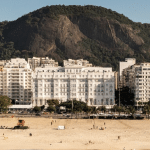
x=136, y=10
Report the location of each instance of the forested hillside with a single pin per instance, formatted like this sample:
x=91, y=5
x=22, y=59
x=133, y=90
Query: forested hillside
x=97, y=34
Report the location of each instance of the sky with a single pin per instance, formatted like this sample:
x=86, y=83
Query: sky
x=136, y=10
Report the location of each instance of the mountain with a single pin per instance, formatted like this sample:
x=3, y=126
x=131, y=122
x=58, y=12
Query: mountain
x=94, y=33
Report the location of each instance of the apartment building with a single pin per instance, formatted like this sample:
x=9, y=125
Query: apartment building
x=137, y=78
x=77, y=79
x=38, y=61
x=16, y=81
x=123, y=65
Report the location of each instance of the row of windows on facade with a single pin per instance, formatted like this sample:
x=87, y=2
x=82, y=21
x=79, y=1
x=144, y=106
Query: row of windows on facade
x=3, y=73
x=74, y=85
x=72, y=70
x=18, y=87
x=74, y=94
x=67, y=80
x=11, y=96
x=73, y=89
x=75, y=76
x=18, y=93
x=95, y=102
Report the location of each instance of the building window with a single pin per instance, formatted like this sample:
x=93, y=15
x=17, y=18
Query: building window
x=111, y=102
x=95, y=102
x=107, y=101
x=40, y=101
x=36, y=102
x=102, y=102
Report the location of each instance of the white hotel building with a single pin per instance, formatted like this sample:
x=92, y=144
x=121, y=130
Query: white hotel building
x=77, y=79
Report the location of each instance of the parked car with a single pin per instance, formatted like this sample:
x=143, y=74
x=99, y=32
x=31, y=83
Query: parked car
x=67, y=115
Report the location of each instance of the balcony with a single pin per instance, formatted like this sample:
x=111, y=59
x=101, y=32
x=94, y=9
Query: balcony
x=15, y=87
x=14, y=91
x=14, y=83
x=15, y=97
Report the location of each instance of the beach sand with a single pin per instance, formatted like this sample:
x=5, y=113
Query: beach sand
x=134, y=134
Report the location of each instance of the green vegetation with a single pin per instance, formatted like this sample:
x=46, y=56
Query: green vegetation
x=101, y=56
x=7, y=51
x=146, y=109
x=51, y=108
x=42, y=107
x=101, y=108
x=87, y=11
x=37, y=109
x=77, y=106
x=131, y=109
x=53, y=103
x=126, y=97
x=5, y=102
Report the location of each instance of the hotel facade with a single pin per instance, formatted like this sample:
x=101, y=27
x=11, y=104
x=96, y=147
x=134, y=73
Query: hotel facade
x=77, y=79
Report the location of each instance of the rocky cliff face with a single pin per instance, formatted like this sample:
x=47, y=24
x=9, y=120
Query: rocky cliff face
x=74, y=36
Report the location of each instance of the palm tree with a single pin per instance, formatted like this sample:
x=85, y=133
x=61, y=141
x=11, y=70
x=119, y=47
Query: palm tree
x=131, y=109
x=140, y=103
x=103, y=108
x=89, y=111
x=147, y=109
x=124, y=109
x=117, y=109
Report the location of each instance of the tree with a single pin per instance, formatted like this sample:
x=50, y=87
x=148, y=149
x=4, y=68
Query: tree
x=37, y=109
x=114, y=109
x=118, y=109
x=131, y=109
x=42, y=107
x=89, y=110
x=147, y=109
x=126, y=97
x=51, y=108
x=5, y=102
x=53, y=102
x=102, y=108
x=93, y=109
x=77, y=106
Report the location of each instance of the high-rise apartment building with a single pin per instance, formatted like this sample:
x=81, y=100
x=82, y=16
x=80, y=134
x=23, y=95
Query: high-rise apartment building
x=16, y=81
x=137, y=78
x=123, y=65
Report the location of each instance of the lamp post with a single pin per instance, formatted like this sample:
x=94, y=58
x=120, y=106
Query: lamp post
x=32, y=103
x=72, y=109
x=119, y=95
x=16, y=101
x=22, y=101
x=103, y=86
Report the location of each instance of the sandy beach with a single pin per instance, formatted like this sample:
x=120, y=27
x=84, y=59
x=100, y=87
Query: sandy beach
x=134, y=134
